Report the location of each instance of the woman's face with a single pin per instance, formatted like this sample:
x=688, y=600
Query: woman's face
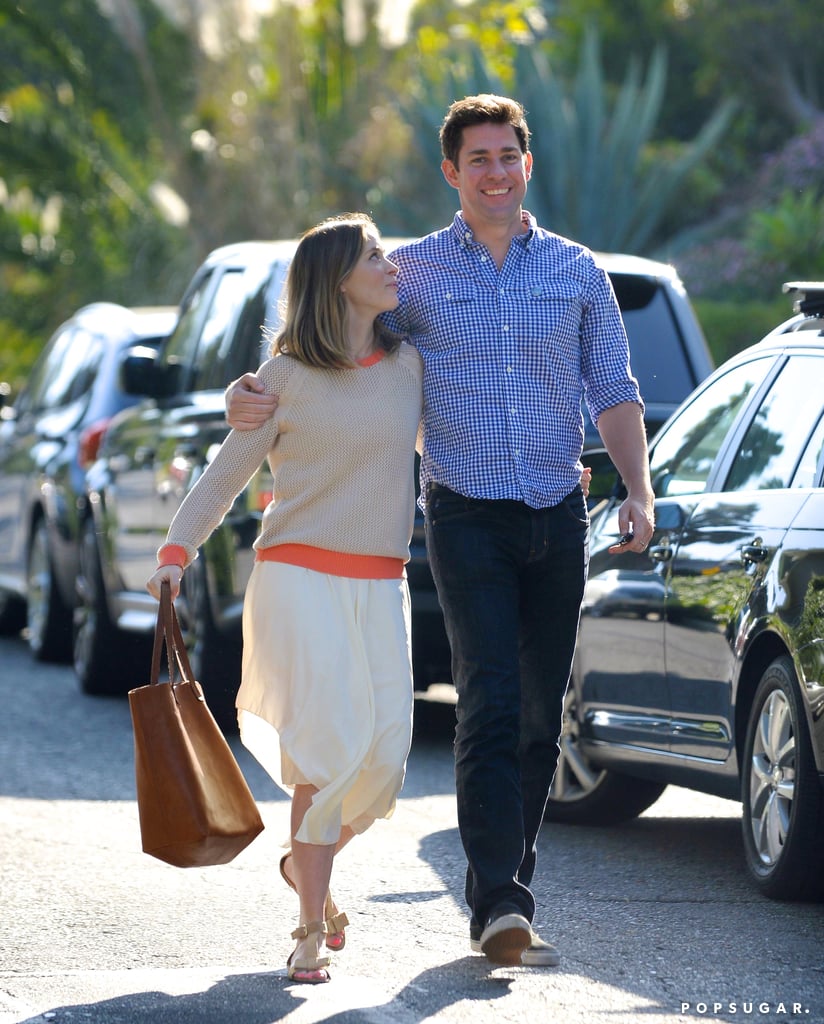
x=371, y=287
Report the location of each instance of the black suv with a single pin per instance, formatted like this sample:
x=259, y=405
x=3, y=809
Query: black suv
x=48, y=438
x=700, y=662
x=152, y=454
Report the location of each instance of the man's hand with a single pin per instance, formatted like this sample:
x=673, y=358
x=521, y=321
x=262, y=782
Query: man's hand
x=622, y=430
x=247, y=405
x=636, y=518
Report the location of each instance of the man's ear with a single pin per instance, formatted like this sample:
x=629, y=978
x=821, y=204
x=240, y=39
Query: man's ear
x=528, y=166
x=450, y=172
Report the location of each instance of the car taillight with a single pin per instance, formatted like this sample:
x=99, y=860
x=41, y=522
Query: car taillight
x=89, y=443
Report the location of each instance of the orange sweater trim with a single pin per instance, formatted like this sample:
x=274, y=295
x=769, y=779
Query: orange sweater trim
x=334, y=563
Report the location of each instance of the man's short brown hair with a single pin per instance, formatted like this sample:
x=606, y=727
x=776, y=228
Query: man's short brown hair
x=485, y=108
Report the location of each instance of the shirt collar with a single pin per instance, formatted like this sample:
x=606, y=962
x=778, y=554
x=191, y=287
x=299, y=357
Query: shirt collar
x=465, y=236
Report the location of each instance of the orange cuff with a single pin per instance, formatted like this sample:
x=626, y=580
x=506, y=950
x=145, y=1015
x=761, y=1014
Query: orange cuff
x=172, y=554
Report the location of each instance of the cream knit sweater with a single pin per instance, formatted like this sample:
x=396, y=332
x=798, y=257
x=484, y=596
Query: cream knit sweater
x=341, y=449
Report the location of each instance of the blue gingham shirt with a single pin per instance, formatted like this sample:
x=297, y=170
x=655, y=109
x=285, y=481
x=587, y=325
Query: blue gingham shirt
x=508, y=356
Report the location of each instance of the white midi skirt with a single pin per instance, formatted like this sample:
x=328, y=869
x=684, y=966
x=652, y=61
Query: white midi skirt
x=326, y=691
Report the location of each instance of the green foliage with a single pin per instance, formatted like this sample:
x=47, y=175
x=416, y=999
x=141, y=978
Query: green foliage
x=772, y=53
x=769, y=229
x=129, y=147
x=789, y=236
x=18, y=351
x=730, y=326
x=592, y=180
x=78, y=220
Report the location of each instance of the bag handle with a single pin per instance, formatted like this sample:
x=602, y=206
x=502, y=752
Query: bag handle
x=168, y=626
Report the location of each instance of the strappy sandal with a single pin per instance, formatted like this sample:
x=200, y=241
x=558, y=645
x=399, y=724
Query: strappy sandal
x=314, y=967
x=335, y=923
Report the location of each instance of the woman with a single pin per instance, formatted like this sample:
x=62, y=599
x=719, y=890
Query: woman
x=325, y=701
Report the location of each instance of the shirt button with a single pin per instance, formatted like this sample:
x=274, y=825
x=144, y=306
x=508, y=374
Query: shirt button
x=506, y=327
x=509, y=369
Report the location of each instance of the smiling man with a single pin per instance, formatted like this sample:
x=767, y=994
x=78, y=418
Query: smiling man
x=516, y=326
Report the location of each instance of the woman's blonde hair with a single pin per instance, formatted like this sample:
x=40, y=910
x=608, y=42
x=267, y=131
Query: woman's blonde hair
x=314, y=313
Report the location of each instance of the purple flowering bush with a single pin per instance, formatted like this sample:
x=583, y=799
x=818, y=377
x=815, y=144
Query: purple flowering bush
x=776, y=233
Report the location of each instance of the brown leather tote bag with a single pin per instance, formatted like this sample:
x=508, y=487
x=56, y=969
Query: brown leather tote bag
x=195, y=806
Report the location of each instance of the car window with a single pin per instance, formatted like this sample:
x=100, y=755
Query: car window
x=686, y=450
x=808, y=473
x=242, y=349
x=68, y=370
x=772, y=447
x=227, y=296
x=657, y=349
x=182, y=344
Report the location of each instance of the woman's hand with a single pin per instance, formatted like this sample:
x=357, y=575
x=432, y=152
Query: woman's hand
x=172, y=573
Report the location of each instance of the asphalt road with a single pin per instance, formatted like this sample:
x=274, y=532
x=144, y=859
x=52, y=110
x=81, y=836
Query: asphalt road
x=655, y=920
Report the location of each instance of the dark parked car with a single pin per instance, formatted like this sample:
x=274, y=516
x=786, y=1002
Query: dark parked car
x=152, y=454
x=48, y=438
x=700, y=662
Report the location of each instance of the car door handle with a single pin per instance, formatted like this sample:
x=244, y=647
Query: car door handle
x=752, y=554
x=660, y=553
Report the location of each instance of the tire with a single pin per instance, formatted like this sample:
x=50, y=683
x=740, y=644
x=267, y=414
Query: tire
x=107, y=660
x=48, y=618
x=582, y=794
x=12, y=614
x=783, y=817
x=215, y=655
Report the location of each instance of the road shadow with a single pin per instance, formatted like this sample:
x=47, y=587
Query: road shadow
x=267, y=997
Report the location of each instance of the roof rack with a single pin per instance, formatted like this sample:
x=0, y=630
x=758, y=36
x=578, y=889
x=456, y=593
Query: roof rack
x=809, y=296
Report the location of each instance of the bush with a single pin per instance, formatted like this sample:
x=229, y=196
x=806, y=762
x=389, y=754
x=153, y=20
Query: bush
x=732, y=326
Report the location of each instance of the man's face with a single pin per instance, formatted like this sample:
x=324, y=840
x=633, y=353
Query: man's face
x=491, y=175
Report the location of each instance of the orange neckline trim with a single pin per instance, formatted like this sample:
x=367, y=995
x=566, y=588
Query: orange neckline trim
x=374, y=358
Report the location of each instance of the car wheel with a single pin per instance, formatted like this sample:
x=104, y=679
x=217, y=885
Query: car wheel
x=583, y=794
x=215, y=655
x=783, y=822
x=48, y=619
x=107, y=660
x=12, y=613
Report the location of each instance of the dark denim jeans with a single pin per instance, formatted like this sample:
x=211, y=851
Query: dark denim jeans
x=510, y=581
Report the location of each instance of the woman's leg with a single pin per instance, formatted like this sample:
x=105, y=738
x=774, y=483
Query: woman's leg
x=312, y=866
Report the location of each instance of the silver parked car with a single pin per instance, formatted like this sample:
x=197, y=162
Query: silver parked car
x=48, y=438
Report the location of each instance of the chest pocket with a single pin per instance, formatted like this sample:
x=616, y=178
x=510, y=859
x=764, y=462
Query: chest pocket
x=456, y=315
x=549, y=311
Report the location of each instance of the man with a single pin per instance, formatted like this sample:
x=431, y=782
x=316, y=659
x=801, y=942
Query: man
x=515, y=325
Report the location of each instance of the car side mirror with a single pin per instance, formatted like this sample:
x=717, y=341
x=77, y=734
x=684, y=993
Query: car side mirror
x=141, y=374
x=669, y=516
